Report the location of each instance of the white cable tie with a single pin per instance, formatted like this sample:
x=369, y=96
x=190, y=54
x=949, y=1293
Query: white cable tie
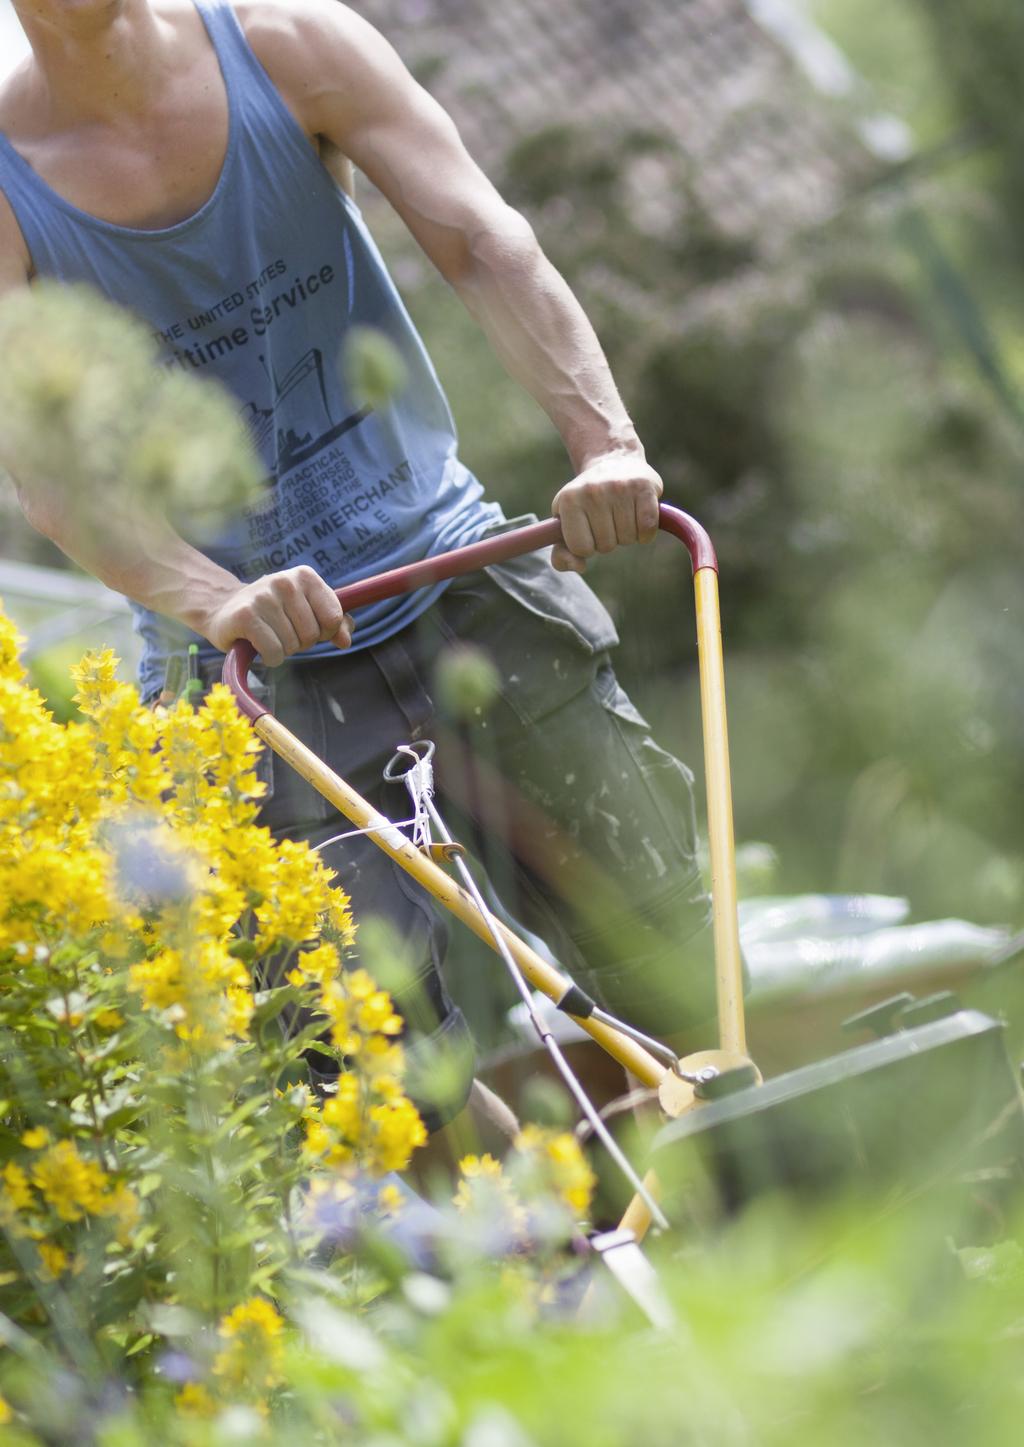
x=370, y=829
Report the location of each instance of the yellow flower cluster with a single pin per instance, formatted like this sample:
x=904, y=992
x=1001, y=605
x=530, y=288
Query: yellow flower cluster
x=49, y=867
x=135, y=829
x=60, y=1186
x=475, y=1168
x=368, y=1122
x=544, y=1161
x=124, y=736
x=247, y=1364
x=215, y=879
x=487, y=1194
x=195, y=1401
x=204, y=991
x=137, y=890
x=253, y=1345
x=561, y=1164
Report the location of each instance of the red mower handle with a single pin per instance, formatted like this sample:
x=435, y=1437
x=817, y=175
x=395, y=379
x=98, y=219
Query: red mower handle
x=450, y=565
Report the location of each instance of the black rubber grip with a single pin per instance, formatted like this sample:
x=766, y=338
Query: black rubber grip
x=577, y=1002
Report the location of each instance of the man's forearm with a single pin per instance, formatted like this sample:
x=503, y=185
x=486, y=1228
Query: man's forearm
x=543, y=337
x=279, y=614
x=146, y=560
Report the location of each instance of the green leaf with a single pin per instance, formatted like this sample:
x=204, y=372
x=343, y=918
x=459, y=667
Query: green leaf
x=241, y=1113
x=270, y=1003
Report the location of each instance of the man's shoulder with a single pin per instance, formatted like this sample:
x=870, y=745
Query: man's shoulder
x=292, y=30
x=311, y=49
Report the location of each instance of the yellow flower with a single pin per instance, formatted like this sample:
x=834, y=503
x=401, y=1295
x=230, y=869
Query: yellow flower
x=54, y=1259
x=318, y=1139
x=485, y=1192
x=211, y=758
x=159, y=979
x=239, y=1007
x=298, y=895
x=17, y=1189
x=96, y=677
x=122, y=1204
x=116, y=944
x=359, y=984
x=6, y=1414
x=69, y=1183
x=339, y=918
x=390, y=1200
x=485, y=1165
x=10, y=644
x=73, y=800
x=375, y=1014
x=253, y=1347
x=475, y=1169
x=562, y=1163
x=396, y=1132
x=322, y=965
x=343, y=1110
x=203, y=992
x=257, y=1314
x=387, y=1086
x=195, y=1401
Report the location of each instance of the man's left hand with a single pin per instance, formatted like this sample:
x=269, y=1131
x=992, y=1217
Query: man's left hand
x=614, y=500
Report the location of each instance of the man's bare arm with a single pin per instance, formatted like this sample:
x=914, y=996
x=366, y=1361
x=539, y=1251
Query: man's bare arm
x=146, y=560
x=347, y=84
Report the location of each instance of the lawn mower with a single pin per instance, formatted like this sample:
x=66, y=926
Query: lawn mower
x=932, y=1100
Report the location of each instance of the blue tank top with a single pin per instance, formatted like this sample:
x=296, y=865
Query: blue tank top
x=259, y=288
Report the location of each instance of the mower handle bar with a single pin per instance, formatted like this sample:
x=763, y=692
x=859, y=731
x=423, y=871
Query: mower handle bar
x=469, y=559
x=721, y=847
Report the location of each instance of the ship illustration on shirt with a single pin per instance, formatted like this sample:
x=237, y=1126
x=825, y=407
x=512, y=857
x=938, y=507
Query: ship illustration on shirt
x=289, y=447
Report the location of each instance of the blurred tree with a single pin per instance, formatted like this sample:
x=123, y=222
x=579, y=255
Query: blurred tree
x=978, y=50
x=861, y=485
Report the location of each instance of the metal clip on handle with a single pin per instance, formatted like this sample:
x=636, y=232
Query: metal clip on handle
x=728, y=968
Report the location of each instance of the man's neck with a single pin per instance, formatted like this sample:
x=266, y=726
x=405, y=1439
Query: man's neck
x=101, y=60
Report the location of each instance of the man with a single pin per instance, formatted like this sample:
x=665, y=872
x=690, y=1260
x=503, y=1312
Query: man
x=176, y=156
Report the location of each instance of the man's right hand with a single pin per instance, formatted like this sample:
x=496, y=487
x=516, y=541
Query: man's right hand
x=280, y=614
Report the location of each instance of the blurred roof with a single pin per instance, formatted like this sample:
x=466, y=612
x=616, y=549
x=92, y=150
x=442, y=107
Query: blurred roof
x=769, y=152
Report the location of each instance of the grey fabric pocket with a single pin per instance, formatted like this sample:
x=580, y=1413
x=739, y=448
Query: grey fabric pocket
x=667, y=780
x=545, y=632
x=563, y=601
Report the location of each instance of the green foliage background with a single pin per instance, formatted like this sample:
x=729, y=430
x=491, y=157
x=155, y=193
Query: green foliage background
x=842, y=413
